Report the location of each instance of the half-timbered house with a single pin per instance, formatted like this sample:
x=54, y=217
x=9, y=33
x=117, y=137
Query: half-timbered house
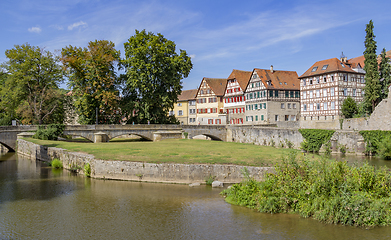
x=272, y=96
x=234, y=99
x=326, y=84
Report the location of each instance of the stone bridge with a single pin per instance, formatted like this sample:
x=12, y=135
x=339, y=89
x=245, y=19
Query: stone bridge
x=103, y=133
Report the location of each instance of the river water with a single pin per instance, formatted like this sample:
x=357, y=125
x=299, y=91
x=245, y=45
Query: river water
x=39, y=203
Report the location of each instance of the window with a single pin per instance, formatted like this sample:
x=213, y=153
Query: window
x=256, y=106
x=180, y=113
x=264, y=106
x=332, y=92
x=304, y=95
x=294, y=105
x=325, y=106
x=311, y=107
x=342, y=65
x=255, y=75
x=314, y=69
x=324, y=79
x=318, y=106
x=345, y=77
x=310, y=81
x=354, y=92
x=292, y=94
x=260, y=106
x=332, y=78
x=311, y=96
x=256, y=117
x=305, y=107
x=325, y=67
x=324, y=92
x=282, y=105
x=345, y=92
x=276, y=93
x=286, y=117
x=297, y=94
x=317, y=80
x=270, y=93
x=286, y=94
x=304, y=82
x=218, y=121
x=192, y=103
x=171, y=113
x=332, y=105
x=210, y=121
x=293, y=117
x=179, y=104
x=276, y=118
x=289, y=106
x=262, y=118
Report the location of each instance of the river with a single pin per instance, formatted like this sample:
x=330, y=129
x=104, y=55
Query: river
x=37, y=202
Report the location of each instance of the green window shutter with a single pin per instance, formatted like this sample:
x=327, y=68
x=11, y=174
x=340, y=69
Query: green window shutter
x=270, y=93
x=256, y=117
x=262, y=117
x=276, y=93
x=264, y=106
x=286, y=94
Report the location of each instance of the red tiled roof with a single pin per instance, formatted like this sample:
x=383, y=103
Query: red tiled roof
x=279, y=79
x=187, y=95
x=334, y=65
x=360, y=60
x=242, y=77
x=216, y=84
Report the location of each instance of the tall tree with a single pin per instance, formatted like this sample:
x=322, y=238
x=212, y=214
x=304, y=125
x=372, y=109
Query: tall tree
x=385, y=74
x=349, y=107
x=154, y=71
x=32, y=74
x=372, y=83
x=93, y=80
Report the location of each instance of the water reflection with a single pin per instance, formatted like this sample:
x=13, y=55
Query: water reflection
x=36, y=203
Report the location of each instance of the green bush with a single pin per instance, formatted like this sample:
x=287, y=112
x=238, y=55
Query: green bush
x=87, y=170
x=327, y=190
x=315, y=138
x=49, y=132
x=56, y=163
x=373, y=140
x=385, y=148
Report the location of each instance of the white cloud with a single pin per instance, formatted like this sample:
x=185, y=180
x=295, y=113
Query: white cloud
x=78, y=24
x=192, y=56
x=35, y=29
x=58, y=27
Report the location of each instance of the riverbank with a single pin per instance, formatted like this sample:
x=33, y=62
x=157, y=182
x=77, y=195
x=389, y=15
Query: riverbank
x=140, y=171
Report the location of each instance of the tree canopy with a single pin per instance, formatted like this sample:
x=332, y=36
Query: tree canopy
x=385, y=74
x=372, y=83
x=93, y=80
x=29, y=85
x=154, y=71
x=349, y=107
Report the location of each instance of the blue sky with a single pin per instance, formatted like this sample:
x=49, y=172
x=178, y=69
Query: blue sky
x=218, y=35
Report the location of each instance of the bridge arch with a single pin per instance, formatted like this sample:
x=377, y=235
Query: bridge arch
x=212, y=137
x=115, y=135
x=10, y=149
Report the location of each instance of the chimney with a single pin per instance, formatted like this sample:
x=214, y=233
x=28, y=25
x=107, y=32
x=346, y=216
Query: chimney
x=271, y=69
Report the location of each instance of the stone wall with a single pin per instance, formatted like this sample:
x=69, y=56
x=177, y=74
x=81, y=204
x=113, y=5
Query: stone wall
x=266, y=136
x=139, y=171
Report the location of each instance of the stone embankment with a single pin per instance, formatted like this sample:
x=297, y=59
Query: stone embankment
x=140, y=171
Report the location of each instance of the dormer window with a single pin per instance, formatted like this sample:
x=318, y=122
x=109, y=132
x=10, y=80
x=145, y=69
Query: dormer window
x=342, y=65
x=314, y=69
x=269, y=83
x=255, y=75
x=325, y=67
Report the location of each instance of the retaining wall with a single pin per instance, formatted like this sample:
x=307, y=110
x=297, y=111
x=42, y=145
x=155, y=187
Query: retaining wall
x=139, y=171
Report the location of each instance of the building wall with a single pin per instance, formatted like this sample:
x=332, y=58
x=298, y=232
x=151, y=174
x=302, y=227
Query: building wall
x=192, y=112
x=210, y=107
x=234, y=103
x=181, y=111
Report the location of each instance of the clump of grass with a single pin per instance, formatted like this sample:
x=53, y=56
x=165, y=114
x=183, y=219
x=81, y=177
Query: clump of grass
x=56, y=163
x=210, y=179
x=87, y=170
x=327, y=190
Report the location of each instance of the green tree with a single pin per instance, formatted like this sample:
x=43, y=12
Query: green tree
x=372, y=83
x=153, y=76
x=93, y=80
x=31, y=76
x=385, y=74
x=349, y=107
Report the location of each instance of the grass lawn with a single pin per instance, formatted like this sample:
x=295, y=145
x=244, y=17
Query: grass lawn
x=177, y=151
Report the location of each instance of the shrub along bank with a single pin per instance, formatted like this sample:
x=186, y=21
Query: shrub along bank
x=330, y=191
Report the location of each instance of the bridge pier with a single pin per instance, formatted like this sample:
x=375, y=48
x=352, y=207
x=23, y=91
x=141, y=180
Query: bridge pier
x=100, y=137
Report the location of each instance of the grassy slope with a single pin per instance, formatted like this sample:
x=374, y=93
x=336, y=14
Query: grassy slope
x=177, y=151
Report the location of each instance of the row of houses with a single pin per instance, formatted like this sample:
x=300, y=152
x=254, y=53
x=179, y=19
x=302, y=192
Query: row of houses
x=269, y=96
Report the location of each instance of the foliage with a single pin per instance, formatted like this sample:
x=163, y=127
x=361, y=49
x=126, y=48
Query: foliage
x=327, y=148
x=349, y=107
x=210, y=179
x=327, y=190
x=50, y=132
x=342, y=148
x=29, y=85
x=93, y=79
x=153, y=77
x=186, y=134
x=385, y=74
x=87, y=170
x=289, y=144
x=385, y=148
x=315, y=138
x=372, y=83
x=373, y=139
x=56, y=163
